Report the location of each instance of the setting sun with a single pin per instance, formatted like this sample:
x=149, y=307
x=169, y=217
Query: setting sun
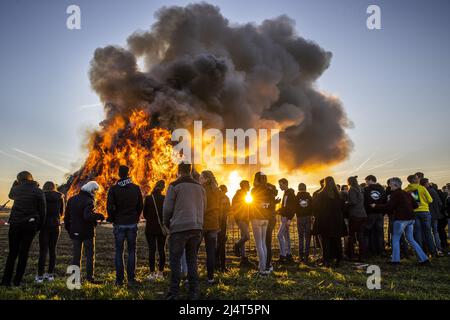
x=248, y=198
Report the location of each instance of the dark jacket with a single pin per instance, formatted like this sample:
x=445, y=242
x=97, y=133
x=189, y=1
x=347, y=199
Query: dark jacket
x=239, y=207
x=355, y=203
x=304, y=204
x=329, y=216
x=124, y=203
x=29, y=204
x=213, y=206
x=288, y=204
x=55, y=209
x=436, y=205
x=152, y=225
x=184, y=205
x=400, y=205
x=263, y=203
x=80, y=220
x=374, y=193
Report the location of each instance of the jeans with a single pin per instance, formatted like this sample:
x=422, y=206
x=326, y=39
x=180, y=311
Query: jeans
x=407, y=226
x=88, y=246
x=356, y=232
x=245, y=236
x=434, y=228
x=304, y=236
x=259, y=228
x=284, y=238
x=422, y=231
x=375, y=233
x=48, y=239
x=188, y=242
x=129, y=233
x=184, y=268
x=270, y=227
x=156, y=241
x=20, y=238
x=210, y=247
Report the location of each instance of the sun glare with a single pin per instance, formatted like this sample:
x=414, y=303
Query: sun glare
x=248, y=198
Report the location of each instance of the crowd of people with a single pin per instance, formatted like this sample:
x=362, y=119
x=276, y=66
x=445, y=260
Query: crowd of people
x=346, y=222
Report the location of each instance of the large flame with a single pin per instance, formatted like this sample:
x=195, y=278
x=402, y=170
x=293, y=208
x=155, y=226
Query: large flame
x=132, y=142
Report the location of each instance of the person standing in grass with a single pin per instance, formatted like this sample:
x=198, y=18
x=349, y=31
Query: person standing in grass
x=124, y=207
x=401, y=207
x=211, y=224
x=80, y=221
x=271, y=223
x=435, y=210
x=49, y=234
x=304, y=221
x=26, y=219
x=222, y=236
x=357, y=219
x=328, y=209
x=240, y=209
x=287, y=212
x=154, y=231
x=260, y=214
x=183, y=211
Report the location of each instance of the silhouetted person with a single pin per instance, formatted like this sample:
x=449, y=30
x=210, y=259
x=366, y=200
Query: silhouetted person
x=287, y=213
x=80, y=221
x=183, y=212
x=240, y=210
x=124, y=207
x=304, y=221
x=49, y=234
x=222, y=236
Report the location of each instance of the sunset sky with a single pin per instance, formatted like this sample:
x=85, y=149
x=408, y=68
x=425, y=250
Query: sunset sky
x=393, y=82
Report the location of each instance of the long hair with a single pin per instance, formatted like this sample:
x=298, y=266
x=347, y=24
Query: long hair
x=330, y=189
x=49, y=186
x=159, y=186
x=353, y=182
x=210, y=178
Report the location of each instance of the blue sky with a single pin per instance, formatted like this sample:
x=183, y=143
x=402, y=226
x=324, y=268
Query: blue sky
x=393, y=82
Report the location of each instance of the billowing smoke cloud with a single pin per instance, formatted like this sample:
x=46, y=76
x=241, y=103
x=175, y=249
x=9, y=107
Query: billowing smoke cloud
x=201, y=67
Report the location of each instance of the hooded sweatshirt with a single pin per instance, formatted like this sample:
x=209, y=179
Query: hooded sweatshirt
x=421, y=196
x=125, y=203
x=374, y=194
x=55, y=208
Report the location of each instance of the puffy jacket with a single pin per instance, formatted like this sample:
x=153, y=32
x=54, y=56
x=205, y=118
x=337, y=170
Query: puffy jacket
x=124, y=202
x=55, y=208
x=184, y=205
x=374, y=193
x=329, y=216
x=29, y=204
x=80, y=220
x=421, y=195
x=150, y=214
x=213, y=205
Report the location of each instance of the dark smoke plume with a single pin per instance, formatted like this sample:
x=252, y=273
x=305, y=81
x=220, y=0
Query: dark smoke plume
x=201, y=67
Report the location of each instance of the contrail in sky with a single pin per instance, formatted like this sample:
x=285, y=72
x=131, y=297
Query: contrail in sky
x=17, y=158
x=43, y=161
x=89, y=106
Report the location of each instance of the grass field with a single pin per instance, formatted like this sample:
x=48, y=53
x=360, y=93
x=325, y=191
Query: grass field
x=407, y=281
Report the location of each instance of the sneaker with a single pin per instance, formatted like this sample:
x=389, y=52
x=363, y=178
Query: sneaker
x=159, y=276
x=49, y=277
x=211, y=282
x=264, y=273
x=270, y=268
x=439, y=254
x=152, y=276
x=39, y=279
x=425, y=263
